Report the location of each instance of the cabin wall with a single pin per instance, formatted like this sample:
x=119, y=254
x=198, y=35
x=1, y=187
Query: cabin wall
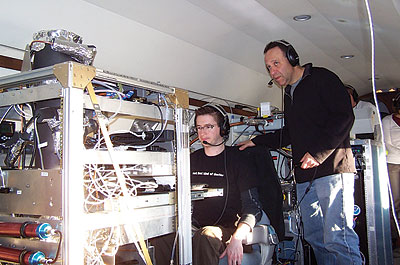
x=129, y=47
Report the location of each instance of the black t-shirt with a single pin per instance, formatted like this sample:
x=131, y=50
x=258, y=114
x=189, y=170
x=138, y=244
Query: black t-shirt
x=213, y=171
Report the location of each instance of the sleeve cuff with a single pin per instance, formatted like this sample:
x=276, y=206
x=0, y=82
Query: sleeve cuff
x=248, y=219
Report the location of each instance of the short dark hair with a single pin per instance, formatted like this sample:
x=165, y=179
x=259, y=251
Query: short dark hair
x=209, y=110
x=352, y=91
x=286, y=48
x=274, y=44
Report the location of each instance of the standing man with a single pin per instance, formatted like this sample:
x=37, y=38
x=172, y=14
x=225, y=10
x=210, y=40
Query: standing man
x=318, y=119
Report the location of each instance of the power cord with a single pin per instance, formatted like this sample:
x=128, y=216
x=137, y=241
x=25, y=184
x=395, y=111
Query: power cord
x=237, y=138
x=227, y=189
x=308, y=187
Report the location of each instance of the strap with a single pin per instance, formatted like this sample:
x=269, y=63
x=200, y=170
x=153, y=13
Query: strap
x=121, y=180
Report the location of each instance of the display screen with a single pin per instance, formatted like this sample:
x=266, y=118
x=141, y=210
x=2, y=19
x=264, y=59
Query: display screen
x=7, y=128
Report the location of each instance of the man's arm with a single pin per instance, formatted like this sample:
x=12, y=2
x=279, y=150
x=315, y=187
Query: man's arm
x=245, y=144
x=251, y=213
x=234, y=250
x=251, y=207
x=338, y=121
x=277, y=139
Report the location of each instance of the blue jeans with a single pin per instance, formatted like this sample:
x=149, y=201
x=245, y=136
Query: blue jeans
x=327, y=215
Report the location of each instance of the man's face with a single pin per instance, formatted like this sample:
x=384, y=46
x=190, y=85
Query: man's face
x=208, y=129
x=279, y=67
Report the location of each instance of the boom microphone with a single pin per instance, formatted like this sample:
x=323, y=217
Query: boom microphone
x=205, y=142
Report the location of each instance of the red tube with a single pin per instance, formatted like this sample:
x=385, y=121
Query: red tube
x=13, y=255
x=30, y=230
x=10, y=229
x=19, y=229
x=22, y=256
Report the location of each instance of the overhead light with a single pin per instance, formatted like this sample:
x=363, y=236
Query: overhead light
x=348, y=56
x=392, y=90
x=302, y=18
x=379, y=91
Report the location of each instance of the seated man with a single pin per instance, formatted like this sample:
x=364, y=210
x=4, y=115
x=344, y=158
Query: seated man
x=220, y=231
x=221, y=222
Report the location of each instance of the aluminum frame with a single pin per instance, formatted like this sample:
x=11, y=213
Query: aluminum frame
x=71, y=172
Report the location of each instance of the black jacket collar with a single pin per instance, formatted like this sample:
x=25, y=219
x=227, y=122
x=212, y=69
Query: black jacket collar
x=307, y=70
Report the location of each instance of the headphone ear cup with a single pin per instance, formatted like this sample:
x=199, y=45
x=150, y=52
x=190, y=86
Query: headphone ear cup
x=221, y=129
x=224, y=128
x=292, y=55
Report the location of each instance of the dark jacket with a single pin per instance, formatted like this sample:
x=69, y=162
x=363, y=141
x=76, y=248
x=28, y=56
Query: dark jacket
x=318, y=120
x=231, y=171
x=269, y=189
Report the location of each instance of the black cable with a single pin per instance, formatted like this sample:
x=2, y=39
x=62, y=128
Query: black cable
x=5, y=114
x=300, y=233
x=23, y=130
x=300, y=226
x=281, y=163
x=283, y=108
x=33, y=150
x=22, y=229
x=23, y=155
x=22, y=256
x=227, y=189
x=308, y=187
x=278, y=165
x=258, y=130
x=152, y=141
x=237, y=138
x=290, y=174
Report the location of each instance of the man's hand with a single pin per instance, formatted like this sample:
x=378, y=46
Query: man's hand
x=245, y=144
x=234, y=250
x=308, y=161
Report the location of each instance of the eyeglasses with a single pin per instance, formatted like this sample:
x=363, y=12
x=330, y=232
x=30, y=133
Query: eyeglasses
x=207, y=127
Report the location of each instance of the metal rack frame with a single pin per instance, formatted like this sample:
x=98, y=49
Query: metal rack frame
x=377, y=205
x=165, y=212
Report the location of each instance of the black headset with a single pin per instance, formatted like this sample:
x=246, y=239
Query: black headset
x=291, y=53
x=354, y=93
x=396, y=102
x=224, y=127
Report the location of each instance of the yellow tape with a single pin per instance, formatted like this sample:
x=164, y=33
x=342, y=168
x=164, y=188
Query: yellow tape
x=120, y=177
